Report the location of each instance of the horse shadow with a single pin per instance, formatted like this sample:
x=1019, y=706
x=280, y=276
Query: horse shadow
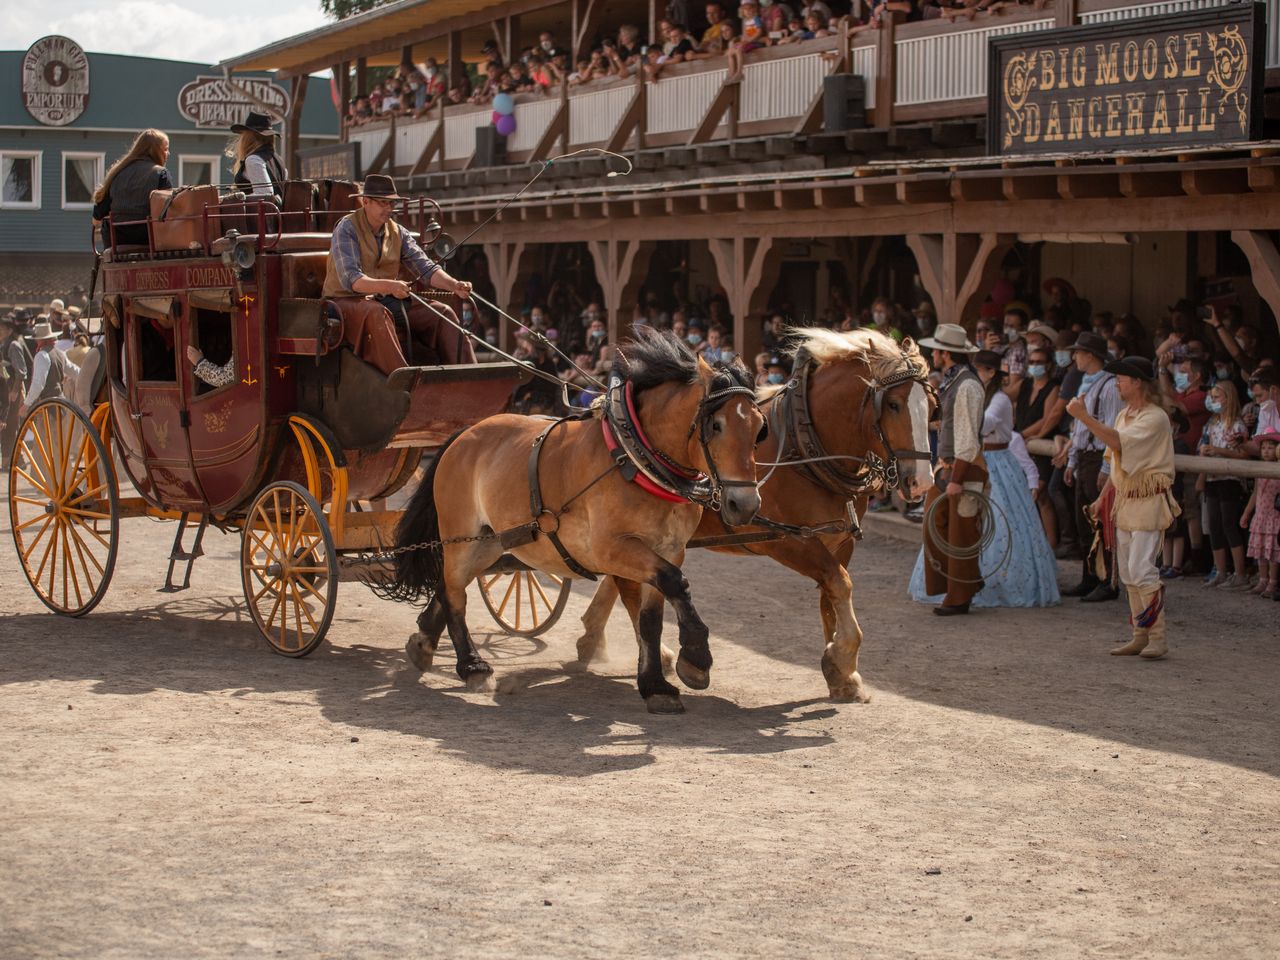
x=557, y=720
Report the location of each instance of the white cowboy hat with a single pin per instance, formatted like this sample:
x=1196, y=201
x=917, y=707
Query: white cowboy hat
x=949, y=336
x=56, y=306
x=44, y=332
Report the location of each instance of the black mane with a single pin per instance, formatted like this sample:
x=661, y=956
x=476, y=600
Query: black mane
x=653, y=357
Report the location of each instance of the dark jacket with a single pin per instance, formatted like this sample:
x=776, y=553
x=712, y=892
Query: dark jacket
x=129, y=198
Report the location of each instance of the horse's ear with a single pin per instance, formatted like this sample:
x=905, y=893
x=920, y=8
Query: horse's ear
x=706, y=373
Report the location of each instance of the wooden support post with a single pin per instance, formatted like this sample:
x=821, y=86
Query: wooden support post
x=1065, y=13
x=956, y=269
x=1264, y=264
x=557, y=129
x=362, y=77
x=342, y=73
x=456, y=66
x=886, y=71
x=621, y=266
x=293, y=122
x=747, y=268
x=434, y=148
x=504, y=269
x=728, y=98
x=632, y=119
x=586, y=21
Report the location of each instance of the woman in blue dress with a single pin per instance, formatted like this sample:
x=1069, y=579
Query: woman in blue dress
x=1017, y=564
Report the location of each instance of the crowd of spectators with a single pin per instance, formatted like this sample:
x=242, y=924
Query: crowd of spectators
x=715, y=30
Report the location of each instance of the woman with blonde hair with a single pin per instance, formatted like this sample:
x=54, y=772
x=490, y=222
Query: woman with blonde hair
x=125, y=192
x=1225, y=496
x=257, y=168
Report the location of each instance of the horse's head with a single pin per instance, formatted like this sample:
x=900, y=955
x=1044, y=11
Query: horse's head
x=901, y=401
x=876, y=405
x=723, y=439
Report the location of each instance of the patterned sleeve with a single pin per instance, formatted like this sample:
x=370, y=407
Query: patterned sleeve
x=413, y=255
x=214, y=375
x=344, y=250
x=968, y=421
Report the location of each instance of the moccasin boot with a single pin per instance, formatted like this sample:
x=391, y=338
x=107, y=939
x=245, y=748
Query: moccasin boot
x=1140, y=639
x=1153, y=610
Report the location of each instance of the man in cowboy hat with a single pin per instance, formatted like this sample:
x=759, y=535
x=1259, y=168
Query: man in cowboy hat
x=258, y=170
x=1140, y=455
x=48, y=370
x=1086, y=471
x=368, y=252
x=961, y=472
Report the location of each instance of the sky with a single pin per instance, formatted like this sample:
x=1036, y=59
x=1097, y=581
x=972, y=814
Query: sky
x=197, y=30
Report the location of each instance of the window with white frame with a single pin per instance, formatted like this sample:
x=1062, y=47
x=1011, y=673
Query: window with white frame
x=81, y=174
x=19, y=180
x=196, y=169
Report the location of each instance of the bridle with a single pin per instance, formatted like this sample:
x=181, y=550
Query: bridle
x=873, y=469
x=638, y=460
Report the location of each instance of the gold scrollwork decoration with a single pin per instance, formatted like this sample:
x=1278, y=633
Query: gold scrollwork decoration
x=1019, y=81
x=216, y=421
x=1230, y=56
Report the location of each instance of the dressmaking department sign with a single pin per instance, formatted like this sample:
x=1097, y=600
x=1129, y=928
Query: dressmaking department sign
x=219, y=102
x=55, y=81
x=1187, y=79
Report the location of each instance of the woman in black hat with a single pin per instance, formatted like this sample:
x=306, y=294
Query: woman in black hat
x=257, y=169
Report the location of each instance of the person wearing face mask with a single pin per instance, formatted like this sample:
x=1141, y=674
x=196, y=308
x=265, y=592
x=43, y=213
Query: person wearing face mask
x=1086, y=470
x=1224, y=495
x=882, y=318
x=777, y=372
x=1014, y=349
x=695, y=337
x=597, y=338
x=1035, y=418
x=1265, y=387
x=1182, y=383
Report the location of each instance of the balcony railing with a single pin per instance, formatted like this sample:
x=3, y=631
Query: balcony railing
x=913, y=72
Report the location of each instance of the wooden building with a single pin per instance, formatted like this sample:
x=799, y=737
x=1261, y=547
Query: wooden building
x=764, y=188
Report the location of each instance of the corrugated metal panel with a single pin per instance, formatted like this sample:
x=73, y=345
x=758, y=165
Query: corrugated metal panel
x=594, y=116
x=781, y=88
x=460, y=133
x=864, y=65
x=411, y=139
x=371, y=140
x=1147, y=10
x=679, y=103
x=532, y=120
x=950, y=66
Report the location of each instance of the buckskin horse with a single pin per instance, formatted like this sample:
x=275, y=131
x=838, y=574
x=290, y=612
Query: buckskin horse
x=863, y=402
x=617, y=494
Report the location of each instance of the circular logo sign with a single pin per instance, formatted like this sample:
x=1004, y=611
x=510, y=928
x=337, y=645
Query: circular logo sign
x=220, y=102
x=55, y=81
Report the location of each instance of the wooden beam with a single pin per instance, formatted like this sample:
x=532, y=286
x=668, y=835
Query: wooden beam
x=726, y=99
x=1031, y=188
x=718, y=203
x=621, y=266
x=886, y=70
x=1077, y=186
x=629, y=121
x=1264, y=264
x=955, y=269
x=977, y=189
x=457, y=69
x=587, y=17
x=362, y=77
x=922, y=191
x=1150, y=184
x=293, y=122
x=748, y=270
x=504, y=268
x=434, y=148
x=1208, y=183
x=557, y=128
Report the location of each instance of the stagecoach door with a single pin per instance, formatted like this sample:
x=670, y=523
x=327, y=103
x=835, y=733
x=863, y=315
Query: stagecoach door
x=158, y=417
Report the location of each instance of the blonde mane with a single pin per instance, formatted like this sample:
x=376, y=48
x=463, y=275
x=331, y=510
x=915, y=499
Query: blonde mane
x=881, y=354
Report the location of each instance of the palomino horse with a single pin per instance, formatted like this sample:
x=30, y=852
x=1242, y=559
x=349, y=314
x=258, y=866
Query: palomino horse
x=864, y=401
x=623, y=492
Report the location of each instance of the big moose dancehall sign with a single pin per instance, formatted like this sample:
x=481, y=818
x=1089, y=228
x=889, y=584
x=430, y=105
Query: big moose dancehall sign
x=1186, y=79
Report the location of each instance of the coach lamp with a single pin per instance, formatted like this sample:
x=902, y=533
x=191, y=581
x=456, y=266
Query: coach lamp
x=240, y=255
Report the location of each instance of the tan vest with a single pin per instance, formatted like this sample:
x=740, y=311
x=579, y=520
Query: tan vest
x=377, y=263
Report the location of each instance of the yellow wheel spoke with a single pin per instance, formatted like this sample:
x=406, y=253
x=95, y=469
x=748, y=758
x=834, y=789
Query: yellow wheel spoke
x=42, y=484
x=304, y=608
x=87, y=495
x=533, y=580
x=26, y=555
x=69, y=567
x=36, y=519
x=506, y=596
x=80, y=545
x=534, y=619
x=316, y=593
x=84, y=566
x=267, y=585
x=92, y=514
x=517, y=579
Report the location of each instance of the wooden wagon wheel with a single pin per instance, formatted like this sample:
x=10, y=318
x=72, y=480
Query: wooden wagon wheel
x=526, y=603
x=64, y=508
x=289, y=568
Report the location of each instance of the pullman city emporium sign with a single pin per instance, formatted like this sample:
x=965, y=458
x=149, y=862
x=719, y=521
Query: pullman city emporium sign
x=55, y=81
x=1187, y=79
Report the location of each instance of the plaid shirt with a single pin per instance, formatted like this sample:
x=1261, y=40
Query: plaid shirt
x=345, y=251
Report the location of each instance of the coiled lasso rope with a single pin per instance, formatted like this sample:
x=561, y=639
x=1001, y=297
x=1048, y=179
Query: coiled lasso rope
x=986, y=536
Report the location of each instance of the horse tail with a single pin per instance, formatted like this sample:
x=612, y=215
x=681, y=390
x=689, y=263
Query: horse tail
x=418, y=572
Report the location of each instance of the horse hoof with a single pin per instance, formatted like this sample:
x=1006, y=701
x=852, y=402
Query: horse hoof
x=419, y=652
x=480, y=683
x=850, y=693
x=664, y=703
x=695, y=678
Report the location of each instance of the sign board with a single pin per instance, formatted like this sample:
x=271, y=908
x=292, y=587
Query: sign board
x=55, y=81
x=1187, y=79
x=339, y=161
x=219, y=102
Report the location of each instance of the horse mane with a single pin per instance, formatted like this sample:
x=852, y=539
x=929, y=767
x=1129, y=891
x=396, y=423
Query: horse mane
x=882, y=355
x=652, y=357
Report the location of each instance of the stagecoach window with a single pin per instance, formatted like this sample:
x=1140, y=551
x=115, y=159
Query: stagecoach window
x=155, y=350
x=211, y=334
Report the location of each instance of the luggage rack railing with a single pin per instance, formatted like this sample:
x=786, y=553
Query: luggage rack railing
x=271, y=220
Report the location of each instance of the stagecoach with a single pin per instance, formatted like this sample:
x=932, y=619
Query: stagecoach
x=298, y=453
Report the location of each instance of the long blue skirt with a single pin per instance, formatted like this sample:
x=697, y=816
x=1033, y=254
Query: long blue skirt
x=1017, y=564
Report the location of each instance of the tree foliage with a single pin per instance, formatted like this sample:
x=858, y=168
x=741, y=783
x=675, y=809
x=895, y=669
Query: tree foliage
x=341, y=9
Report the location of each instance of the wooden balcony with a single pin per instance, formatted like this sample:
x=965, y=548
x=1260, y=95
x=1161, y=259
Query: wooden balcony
x=914, y=73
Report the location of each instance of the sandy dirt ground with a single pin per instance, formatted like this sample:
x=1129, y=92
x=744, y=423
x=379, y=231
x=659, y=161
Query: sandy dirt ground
x=170, y=788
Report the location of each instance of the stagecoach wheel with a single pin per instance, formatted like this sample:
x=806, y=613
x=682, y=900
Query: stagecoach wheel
x=526, y=603
x=289, y=569
x=64, y=509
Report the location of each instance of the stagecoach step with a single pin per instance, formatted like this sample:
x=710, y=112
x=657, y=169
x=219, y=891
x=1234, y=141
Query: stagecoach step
x=177, y=553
